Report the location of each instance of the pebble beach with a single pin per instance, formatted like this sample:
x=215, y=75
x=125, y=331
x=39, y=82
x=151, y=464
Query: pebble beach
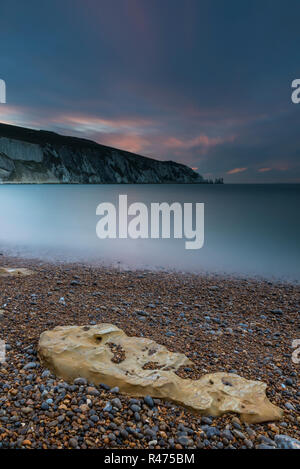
x=237, y=325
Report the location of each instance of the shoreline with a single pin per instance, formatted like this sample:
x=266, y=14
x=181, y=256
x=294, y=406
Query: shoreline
x=23, y=259
x=221, y=323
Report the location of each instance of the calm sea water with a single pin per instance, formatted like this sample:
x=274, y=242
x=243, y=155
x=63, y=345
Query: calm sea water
x=249, y=229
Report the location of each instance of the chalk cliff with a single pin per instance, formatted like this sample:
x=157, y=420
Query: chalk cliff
x=35, y=156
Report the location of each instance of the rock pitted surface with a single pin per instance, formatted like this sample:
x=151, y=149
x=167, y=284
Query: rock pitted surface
x=103, y=353
x=31, y=156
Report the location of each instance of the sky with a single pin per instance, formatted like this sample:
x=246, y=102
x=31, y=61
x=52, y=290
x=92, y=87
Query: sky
x=206, y=83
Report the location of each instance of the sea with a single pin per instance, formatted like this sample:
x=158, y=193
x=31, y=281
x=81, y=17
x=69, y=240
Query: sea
x=249, y=230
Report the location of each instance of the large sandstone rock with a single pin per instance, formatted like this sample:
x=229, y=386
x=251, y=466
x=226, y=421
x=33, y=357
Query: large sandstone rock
x=12, y=272
x=139, y=366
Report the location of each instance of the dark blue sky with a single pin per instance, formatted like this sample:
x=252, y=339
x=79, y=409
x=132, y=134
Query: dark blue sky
x=202, y=82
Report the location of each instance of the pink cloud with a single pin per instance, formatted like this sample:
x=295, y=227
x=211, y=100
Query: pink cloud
x=134, y=134
x=264, y=170
x=132, y=143
x=236, y=170
x=200, y=140
x=11, y=114
x=144, y=136
x=283, y=168
x=99, y=124
x=23, y=117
